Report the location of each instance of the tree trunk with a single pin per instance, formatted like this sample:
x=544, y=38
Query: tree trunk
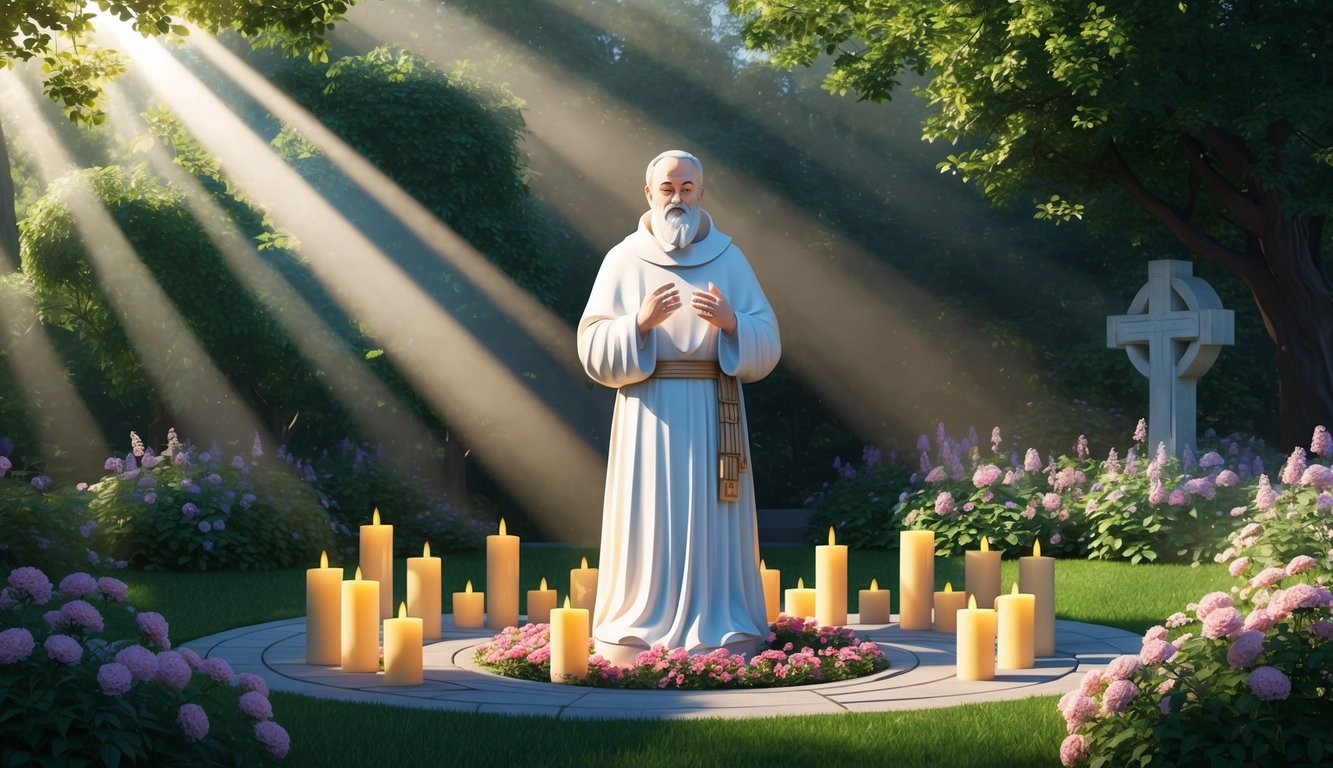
x=9, y=229
x=455, y=470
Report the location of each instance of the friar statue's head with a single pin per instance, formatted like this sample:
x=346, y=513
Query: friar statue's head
x=674, y=185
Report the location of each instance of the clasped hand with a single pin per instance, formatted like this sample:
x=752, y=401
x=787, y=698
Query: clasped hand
x=710, y=305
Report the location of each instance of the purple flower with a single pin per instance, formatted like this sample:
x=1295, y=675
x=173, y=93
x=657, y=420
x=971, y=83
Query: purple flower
x=1117, y=696
x=1269, y=684
x=147, y=481
x=114, y=678
x=150, y=498
x=113, y=589
x=64, y=649
x=154, y=627
x=1317, y=476
x=1245, y=648
x=29, y=582
x=182, y=458
x=274, y=738
x=237, y=462
x=923, y=443
x=172, y=671
x=16, y=644
x=42, y=482
x=1321, y=444
x=257, y=449
x=114, y=465
x=1177, y=498
x=78, y=584
x=256, y=705
x=1211, y=459
x=249, y=681
x=189, y=509
x=190, y=657
x=216, y=668
x=140, y=661
x=193, y=721
x=1226, y=478
x=81, y=613
x=205, y=526
x=5, y=466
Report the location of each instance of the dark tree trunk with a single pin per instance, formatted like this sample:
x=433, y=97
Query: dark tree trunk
x=455, y=470
x=9, y=228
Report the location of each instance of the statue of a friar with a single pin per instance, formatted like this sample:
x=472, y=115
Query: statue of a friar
x=679, y=559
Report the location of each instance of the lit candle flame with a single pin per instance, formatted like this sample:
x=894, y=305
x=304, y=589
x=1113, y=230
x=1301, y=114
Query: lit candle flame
x=1036, y=548
x=985, y=544
x=1014, y=591
x=502, y=526
x=469, y=586
x=948, y=586
x=762, y=565
x=874, y=585
x=402, y=610
x=800, y=583
x=566, y=602
x=358, y=573
x=972, y=602
x=425, y=550
x=831, y=538
x=543, y=584
x=585, y=563
x=375, y=518
x=324, y=559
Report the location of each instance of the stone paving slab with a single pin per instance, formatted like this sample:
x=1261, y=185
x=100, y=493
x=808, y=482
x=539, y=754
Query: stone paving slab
x=921, y=675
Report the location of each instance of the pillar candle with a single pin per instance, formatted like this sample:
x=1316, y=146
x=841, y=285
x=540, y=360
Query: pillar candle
x=800, y=601
x=1036, y=577
x=1014, y=635
x=831, y=582
x=469, y=608
x=424, y=592
x=874, y=604
x=981, y=571
x=916, y=578
x=360, y=625
x=402, y=649
x=501, y=579
x=540, y=603
x=323, y=613
x=772, y=579
x=947, y=605
x=583, y=586
x=569, y=643
x=377, y=560
x=976, y=642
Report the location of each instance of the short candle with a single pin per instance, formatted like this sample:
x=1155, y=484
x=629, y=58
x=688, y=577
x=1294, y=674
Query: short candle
x=583, y=586
x=1036, y=577
x=402, y=649
x=981, y=570
x=501, y=579
x=377, y=560
x=424, y=592
x=323, y=613
x=469, y=607
x=947, y=605
x=540, y=603
x=1014, y=644
x=360, y=625
x=569, y=643
x=772, y=578
x=874, y=604
x=976, y=642
x=831, y=582
x=800, y=601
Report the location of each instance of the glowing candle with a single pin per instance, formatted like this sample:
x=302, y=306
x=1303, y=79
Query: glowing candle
x=874, y=604
x=772, y=579
x=916, y=578
x=424, y=591
x=981, y=574
x=323, y=613
x=800, y=601
x=360, y=625
x=976, y=642
x=947, y=605
x=1014, y=644
x=377, y=560
x=1036, y=577
x=469, y=608
x=540, y=603
x=569, y=643
x=831, y=582
x=501, y=579
x=583, y=586
x=402, y=649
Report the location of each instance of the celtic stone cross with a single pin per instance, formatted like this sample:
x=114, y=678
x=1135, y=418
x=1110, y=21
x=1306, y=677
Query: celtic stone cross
x=1173, y=332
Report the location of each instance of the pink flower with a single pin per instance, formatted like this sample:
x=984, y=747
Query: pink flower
x=944, y=504
x=1226, y=478
x=1211, y=459
x=81, y=613
x=1294, y=468
x=1321, y=444
x=1156, y=652
x=1238, y=566
x=1117, y=697
x=191, y=658
x=216, y=668
x=1073, y=750
x=140, y=661
x=1032, y=461
x=31, y=583
x=1122, y=667
x=1091, y=683
x=1158, y=632
x=1269, y=684
x=985, y=475
x=1141, y=431
x=16, y=644
x=1050, y=502
x=1317, y=476
x=936, y=475
x=1267, y=578
x=1265, y=497
x=113, y=589
x=255, y=704
x=154, y=628
x=78, y=585
x=1245, y=648
x=114, y=678
x=1077, y=709
x=249, y=681
x=1300, y=564
x=1222, y=622
x=1300, y=596
x=1177, y=498
x=274, y=738
x=1055, y=540
x=64, y=649
x=1259, y=619
x=172, y=671
x=193, y=721
x=1213, y=601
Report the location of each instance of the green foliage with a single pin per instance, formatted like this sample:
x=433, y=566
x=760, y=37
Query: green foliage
x=190, y=509
x=859, y=502
x=1289, y=521
x=52, y=528
x=56, y=710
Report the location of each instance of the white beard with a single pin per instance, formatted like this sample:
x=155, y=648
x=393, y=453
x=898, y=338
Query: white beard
x=675, y=226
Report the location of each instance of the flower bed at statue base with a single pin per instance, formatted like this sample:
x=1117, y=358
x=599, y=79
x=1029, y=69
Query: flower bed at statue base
x=799, y=652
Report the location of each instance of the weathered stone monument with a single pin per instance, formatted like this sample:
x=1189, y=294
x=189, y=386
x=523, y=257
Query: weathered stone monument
x=1173, y=332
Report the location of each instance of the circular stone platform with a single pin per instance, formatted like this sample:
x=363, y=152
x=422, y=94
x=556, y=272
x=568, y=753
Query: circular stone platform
x=921, y=675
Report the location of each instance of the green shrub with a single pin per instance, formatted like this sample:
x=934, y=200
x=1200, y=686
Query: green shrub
x=859, y=502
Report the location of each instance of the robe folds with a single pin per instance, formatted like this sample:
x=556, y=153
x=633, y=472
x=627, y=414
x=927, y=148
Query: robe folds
x=678, y=567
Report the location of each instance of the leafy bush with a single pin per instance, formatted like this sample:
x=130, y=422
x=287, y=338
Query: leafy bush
x=92, y=682
x=859, y=502
x=1219, y=687
x=40, y=523
x=191, y=508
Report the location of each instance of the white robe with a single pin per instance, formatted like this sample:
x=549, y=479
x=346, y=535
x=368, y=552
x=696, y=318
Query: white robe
x=678, y=567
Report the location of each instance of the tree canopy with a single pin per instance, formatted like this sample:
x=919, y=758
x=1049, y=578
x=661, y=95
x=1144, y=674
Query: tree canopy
x=1209, y=120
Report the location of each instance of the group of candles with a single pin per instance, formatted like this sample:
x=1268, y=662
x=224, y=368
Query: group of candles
x=1015, y=628
x=343, y=618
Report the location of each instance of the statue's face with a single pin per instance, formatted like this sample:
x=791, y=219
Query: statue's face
x=674, y=196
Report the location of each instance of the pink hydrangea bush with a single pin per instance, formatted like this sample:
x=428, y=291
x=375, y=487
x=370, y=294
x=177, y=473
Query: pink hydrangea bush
x=799, y=652
x=1242, y=678
x=95, y=682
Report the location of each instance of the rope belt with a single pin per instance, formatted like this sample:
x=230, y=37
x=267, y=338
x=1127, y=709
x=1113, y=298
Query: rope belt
x=730, y=459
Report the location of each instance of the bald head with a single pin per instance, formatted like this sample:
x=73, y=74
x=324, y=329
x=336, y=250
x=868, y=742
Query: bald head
x=681, y=157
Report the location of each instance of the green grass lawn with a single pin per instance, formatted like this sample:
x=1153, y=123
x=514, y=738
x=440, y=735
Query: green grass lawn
x=1018, y=733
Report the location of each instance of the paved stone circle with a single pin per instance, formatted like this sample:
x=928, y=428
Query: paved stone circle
x=920, y=676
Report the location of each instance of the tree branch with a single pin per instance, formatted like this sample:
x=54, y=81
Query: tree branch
x=1235, y=201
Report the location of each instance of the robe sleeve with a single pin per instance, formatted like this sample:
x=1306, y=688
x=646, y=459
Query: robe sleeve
x=610, y=348
x=752, y=352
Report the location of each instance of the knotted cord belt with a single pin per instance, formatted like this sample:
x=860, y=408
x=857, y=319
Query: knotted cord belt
x=730, y=458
